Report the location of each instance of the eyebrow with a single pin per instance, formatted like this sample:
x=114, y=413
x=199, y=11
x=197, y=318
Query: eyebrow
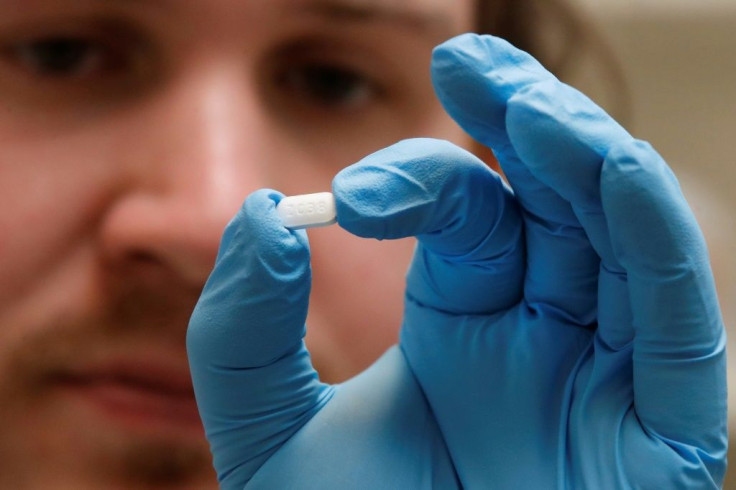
x=370, y=12
x=351, y=11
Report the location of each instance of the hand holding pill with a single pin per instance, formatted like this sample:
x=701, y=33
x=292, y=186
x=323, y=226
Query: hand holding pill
x=560, y=333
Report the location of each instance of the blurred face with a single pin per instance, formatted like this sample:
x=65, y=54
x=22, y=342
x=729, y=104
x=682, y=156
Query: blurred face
x=130, y=133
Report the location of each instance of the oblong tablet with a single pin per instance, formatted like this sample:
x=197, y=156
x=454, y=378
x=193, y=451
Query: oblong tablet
x=307, y=210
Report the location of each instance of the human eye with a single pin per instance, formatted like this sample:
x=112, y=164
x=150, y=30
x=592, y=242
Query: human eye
x=63, y=65
x=326, y=75
x=328, y=84
x=61, y=56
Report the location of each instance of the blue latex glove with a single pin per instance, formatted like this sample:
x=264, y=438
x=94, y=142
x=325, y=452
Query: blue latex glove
x=565, y=336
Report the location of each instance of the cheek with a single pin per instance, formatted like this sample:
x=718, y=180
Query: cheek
x=357, y=300
x=44, y=202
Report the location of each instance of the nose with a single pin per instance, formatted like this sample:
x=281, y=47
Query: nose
x=194, y=150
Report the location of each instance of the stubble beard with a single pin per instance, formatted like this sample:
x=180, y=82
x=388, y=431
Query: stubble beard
x=43, y=444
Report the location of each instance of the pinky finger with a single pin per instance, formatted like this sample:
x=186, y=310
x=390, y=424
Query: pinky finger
x=679, y=338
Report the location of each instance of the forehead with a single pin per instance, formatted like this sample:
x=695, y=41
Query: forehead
x=437, y=18
x=445, y=8
x=450, y=10
x=441, y=12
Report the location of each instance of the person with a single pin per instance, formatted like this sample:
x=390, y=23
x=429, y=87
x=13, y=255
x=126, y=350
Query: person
x=131, y=132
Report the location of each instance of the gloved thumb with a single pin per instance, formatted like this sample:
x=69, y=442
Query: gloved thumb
x=253, y=379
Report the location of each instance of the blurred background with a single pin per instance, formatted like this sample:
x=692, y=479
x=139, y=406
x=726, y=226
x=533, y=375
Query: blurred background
x=679, y=59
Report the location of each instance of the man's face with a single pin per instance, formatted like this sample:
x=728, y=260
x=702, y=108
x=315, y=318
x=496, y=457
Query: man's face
x=130, y=133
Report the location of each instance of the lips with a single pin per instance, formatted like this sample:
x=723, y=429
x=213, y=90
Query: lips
x=138, y=395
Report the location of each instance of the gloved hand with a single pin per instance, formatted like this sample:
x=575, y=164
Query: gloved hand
x=565, y=336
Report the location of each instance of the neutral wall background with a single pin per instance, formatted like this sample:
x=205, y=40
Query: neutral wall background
x=637, y=7
x=680, y=61
x=632, y=8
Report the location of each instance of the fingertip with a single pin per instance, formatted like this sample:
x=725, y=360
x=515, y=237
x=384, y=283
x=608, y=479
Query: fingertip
x=359, y=192
x=638, y=166
x=475, y=75
x=257, y=218
x=391, y=193
x=645, y=205
x=473, y=51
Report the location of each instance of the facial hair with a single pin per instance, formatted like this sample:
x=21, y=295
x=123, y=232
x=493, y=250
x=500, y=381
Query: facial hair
x=132, y=319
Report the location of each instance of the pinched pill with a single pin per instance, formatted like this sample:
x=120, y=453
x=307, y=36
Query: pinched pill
x=307, y=210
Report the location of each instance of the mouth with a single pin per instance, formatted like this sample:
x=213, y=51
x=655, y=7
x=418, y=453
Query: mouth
x=137, y=395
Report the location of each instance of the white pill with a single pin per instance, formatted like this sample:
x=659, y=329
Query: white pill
x=307, y=210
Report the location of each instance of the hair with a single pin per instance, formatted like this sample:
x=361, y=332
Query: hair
x=565, y=41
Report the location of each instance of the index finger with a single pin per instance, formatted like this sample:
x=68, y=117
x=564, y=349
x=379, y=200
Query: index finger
x=679, y=347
